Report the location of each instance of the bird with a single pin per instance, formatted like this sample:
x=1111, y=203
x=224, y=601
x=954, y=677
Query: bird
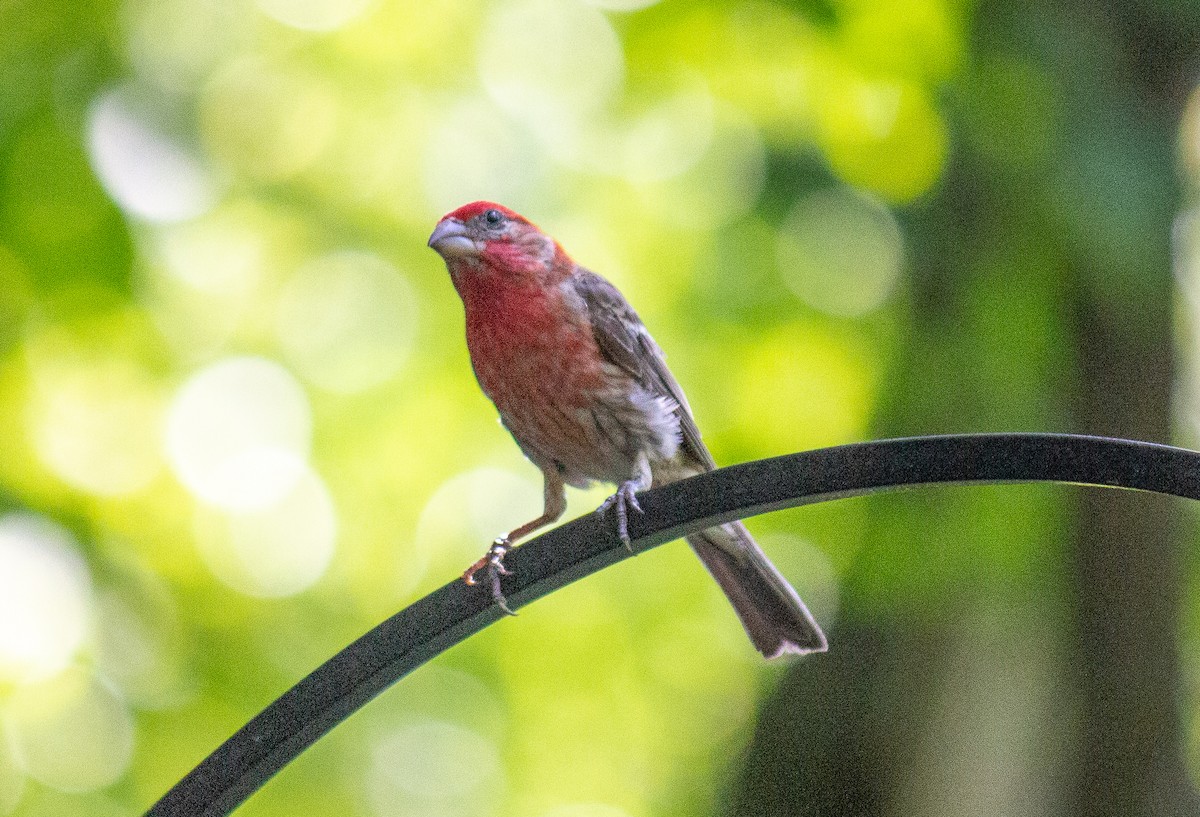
x=585, y=392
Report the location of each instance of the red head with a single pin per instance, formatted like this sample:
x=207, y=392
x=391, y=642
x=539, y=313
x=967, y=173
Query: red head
x=489, y=239
x=477, y=208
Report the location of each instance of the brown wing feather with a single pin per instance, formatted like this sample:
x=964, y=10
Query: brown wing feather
x=773, y=615
x=624, y=341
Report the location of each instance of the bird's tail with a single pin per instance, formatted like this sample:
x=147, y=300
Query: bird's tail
x=770, y=609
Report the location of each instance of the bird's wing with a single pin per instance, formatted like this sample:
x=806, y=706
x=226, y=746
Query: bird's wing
x=624, y=341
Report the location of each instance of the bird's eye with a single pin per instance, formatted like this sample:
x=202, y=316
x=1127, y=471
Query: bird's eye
x=493, y=217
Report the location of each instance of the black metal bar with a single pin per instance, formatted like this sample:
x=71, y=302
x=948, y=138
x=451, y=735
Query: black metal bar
x=416, y=634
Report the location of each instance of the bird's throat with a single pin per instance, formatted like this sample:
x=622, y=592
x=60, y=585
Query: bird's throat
x=519, y=338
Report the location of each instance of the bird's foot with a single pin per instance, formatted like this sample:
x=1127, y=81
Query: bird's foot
x=493, y=561
x=624, y=499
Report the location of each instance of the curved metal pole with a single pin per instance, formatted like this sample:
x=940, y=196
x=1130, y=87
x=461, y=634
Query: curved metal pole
x=450, y=615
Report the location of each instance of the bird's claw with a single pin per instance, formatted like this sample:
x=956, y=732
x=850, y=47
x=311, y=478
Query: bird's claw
x=624, y=499
x=493, y=560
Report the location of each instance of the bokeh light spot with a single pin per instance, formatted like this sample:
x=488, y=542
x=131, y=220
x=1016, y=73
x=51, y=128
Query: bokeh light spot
x=314, y=15
x=222, y=254
x=810, y=570
x=811, y=388
x=586, y=810
x=148, y=174
x=434, y=767
x=671, y=137
x=347, y=321
x=12, y=779
x=723, y=184
x=841, y=252
x=469, y=510
x=438, y=693
x=45, y=597
x=475, y=152
x=95, y=425
x=175, y=44
x=141, y=644
x=206, y=280
x=1189, y=135
x=265, y=121
x=71, y=733
x=916, y=38
x=238, y=433
x=272, y=550
x=661, y=140
x=621, y=5
x=885, y=137
x=549, y=62
x=1185, y=246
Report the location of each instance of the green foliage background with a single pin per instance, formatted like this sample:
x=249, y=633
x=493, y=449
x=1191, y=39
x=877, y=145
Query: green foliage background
x=240, y=426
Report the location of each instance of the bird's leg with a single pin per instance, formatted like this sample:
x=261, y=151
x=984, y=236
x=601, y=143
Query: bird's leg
x=554, y=504
x=626, y=497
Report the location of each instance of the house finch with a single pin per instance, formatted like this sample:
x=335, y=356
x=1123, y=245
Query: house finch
x=586, y=393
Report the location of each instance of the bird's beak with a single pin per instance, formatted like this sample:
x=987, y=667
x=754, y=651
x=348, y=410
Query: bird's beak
x=450, y=240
